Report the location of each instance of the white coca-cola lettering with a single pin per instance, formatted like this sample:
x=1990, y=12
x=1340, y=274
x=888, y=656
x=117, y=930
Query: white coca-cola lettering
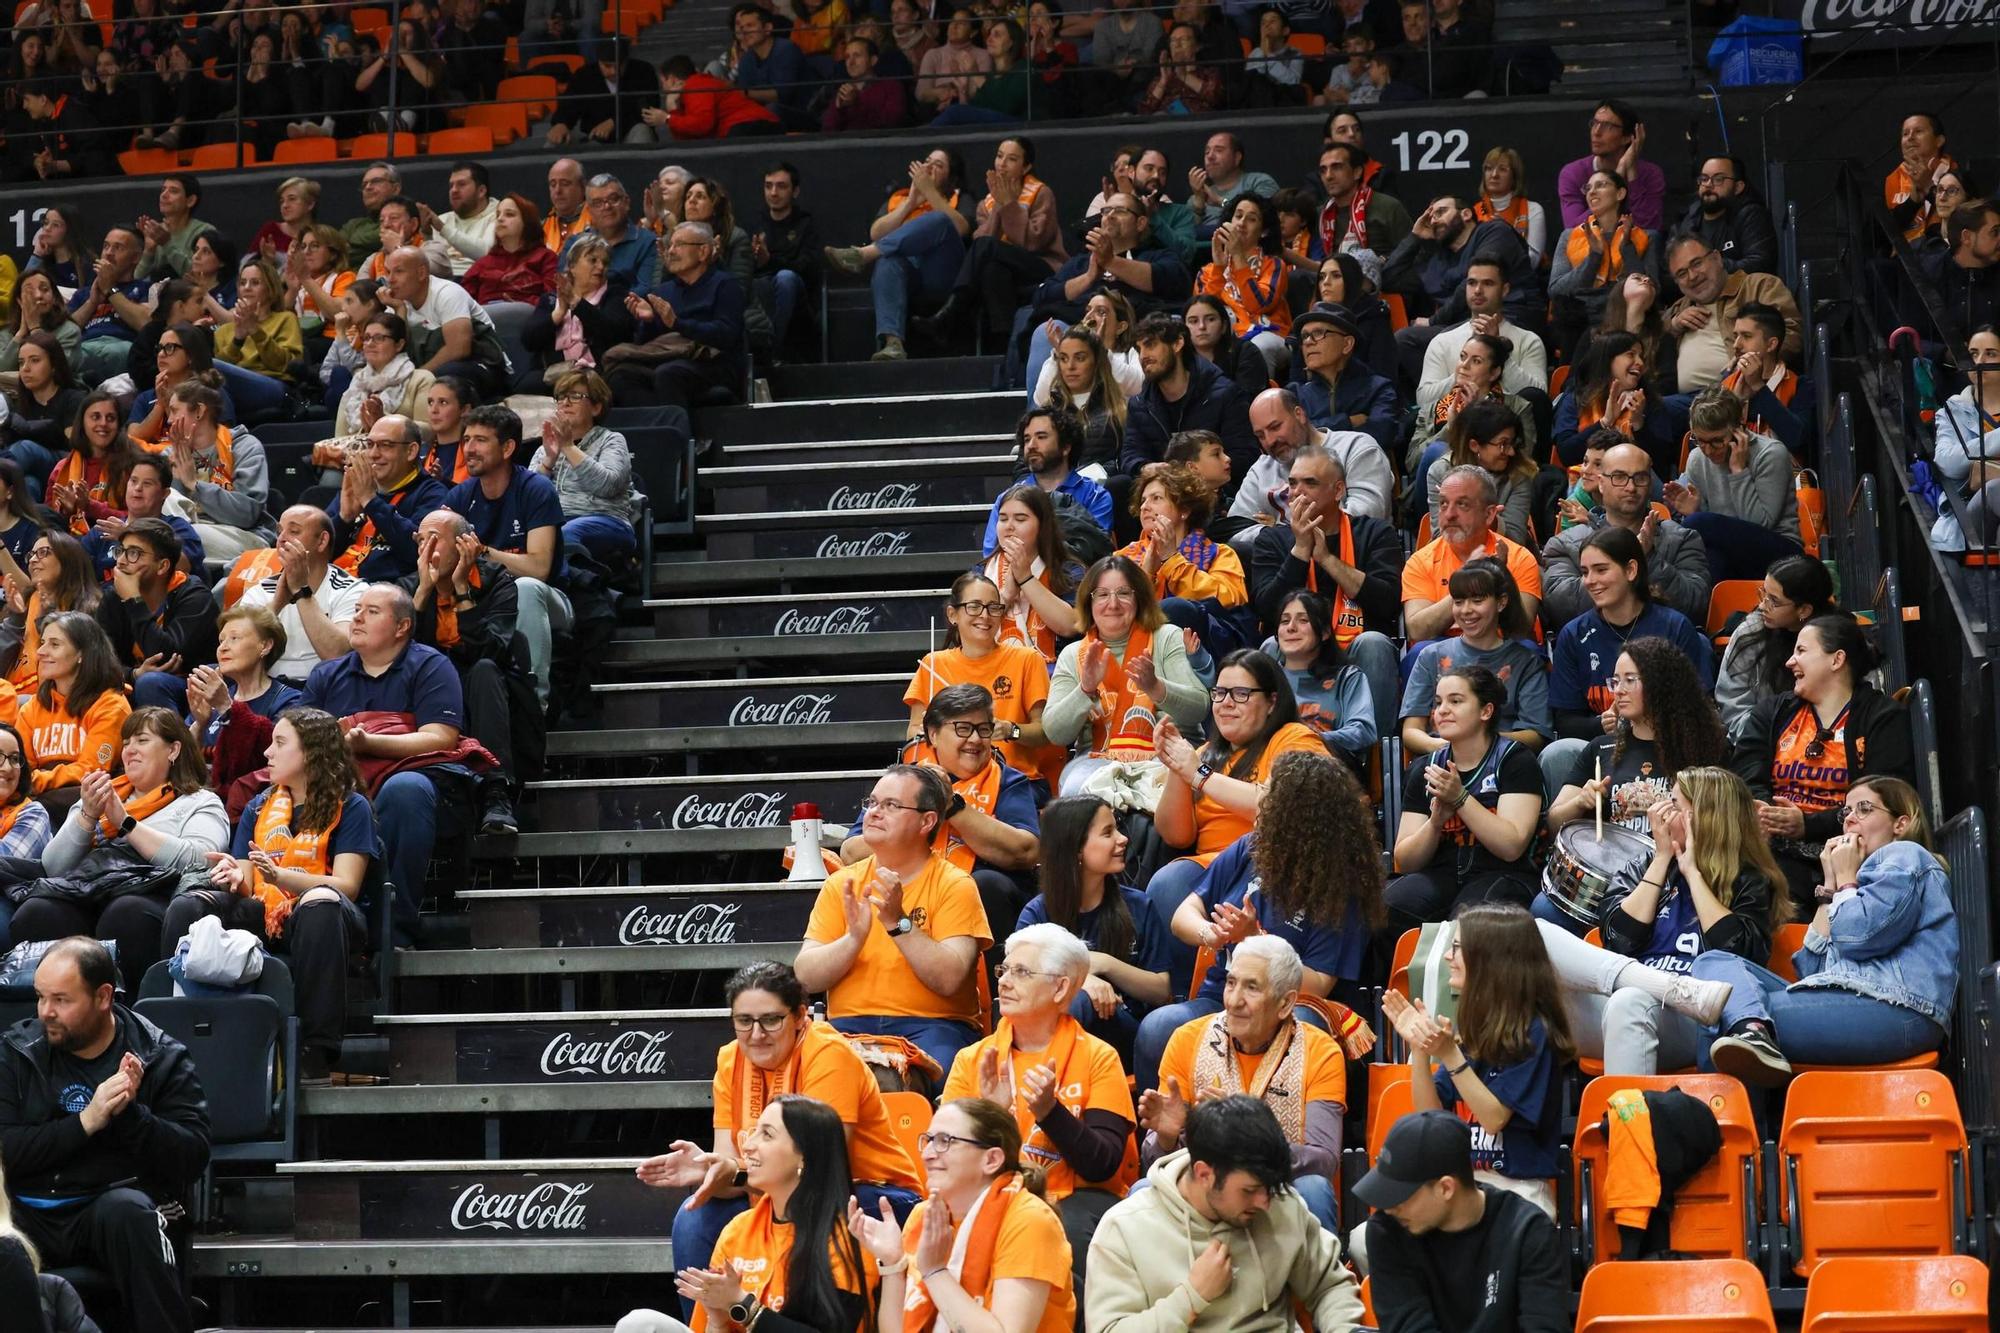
x=801, y=710
x=1832, y=15
x=840, y=620
x=635, y=1051
x=550, y=1206
x=753, y=809
x=703, y=923
x=894, y=495
x=875, y=543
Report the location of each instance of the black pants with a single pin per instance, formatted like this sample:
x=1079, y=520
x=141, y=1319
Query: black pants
x=121, y=1232
x=1437, y=891
x=487, y=715
x=132, y=922
x=1080, y=1212
x=489, y=378
x=1003, y=897
x=318, y=939
x=1001, y=276
x=683, y=384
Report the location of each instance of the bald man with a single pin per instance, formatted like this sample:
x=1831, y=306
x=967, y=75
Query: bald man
x=313, y=598
x=450, y=333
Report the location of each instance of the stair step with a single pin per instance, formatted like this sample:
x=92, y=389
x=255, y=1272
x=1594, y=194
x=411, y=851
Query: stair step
x=891, y=449
x=270, y=1256
x=488, y=1099
x=818, y=534
x=575, y=1198
x=856, y=485
x=786, y=700
x=863, y=417
x=602, y=920
x=872, y=571
x=840, y=378
x=730, y=802
x=593, y=962
x=595, y=1046
x=859, y=652
x=825, y=739
x=628, y=843
x=871, y=611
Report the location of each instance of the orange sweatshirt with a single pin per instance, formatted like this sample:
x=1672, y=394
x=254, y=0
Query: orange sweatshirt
x=62, y=747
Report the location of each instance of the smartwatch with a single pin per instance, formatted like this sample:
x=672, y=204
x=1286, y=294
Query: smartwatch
x=902, y=927
x=1201, y=777
x=126, y=827
x=956, y=807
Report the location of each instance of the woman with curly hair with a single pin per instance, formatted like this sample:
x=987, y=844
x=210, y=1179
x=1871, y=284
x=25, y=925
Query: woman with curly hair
x=294, y=872
x=1711, y=884
x=1199, y=581
x=1309, y=871
x=1213, y=795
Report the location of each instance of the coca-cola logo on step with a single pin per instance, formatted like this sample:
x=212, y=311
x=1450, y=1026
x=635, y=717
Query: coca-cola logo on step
x=875, y=543
x=1832, y=15
x=801, y=710
x=753, y=809
x=895, y=495
x=550, y=1206
x=840, y=620
x=703, y=923
x=635, y=1052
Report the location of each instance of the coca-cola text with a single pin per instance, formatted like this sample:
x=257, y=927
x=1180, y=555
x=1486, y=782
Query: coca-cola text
x=875, y=543
x=633, y=1053
x=549, y=1206
x=840, y=620
x=753, y=809
x=703, y=923
x=801, y=710
x=894, y=495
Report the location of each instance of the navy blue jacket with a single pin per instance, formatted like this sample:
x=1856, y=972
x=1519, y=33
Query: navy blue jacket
x=1212, y=402
x=1359, y=392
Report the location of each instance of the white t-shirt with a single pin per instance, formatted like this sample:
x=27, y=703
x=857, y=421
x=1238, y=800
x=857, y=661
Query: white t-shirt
x=446, y=301
x=338, y=595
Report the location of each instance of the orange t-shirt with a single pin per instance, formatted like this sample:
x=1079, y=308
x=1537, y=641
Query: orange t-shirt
x=1326, y=1067
x=761, y=1247
x=1096, y=1082
x=1016, y=677
x=62, y=747
x=1216, y=825
x=829, y=1071
x=1813, y=785
x=943, y=903
x=1032, y=1246
x=1427, y=574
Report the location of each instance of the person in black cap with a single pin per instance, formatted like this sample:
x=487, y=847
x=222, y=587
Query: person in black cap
x=1448, y=1254
x=1337, y=391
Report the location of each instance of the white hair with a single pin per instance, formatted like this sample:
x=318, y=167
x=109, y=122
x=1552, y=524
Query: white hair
x=1061, y=953
x=678, y=175
x=1282, y=969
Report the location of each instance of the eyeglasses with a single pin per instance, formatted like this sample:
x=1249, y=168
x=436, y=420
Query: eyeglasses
x=1712, y=441
x=887, y=807
x=1685, y=271
x=12, y=760
x=573, y=396
x=1236, y=694
x=376, y=338
x=1612, y=125
x=1626, y=682
x=1109, y=209
x=1005, y=970
x=1123, y=595
x=1766, y=601
x=132, y=555
x=765, y=1023
x=171, y=347
x=39, y=553
x=1622, y=479
x=1312, y=336
x=933, y=1138
x=965, y=731
x=982, y=608
x=1859, y=810
x=1707, y=179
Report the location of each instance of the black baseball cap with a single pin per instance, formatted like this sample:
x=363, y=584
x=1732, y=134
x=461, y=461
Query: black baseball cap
x=1420, y=1148
x=1333, y=315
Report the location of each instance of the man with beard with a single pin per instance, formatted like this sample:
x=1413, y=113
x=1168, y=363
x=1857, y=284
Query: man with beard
x=1049, y=443
x=1430, y=267
x=102, y=1122
x=1731, y=218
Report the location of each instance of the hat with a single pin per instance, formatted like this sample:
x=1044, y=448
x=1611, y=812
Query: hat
x=1420, y=1148
x=1333, y=315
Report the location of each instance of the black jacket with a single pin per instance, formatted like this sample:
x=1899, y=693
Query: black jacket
x=1745, y=931
x=1878, y=743
x=486, y=631
x=792, y=244
x=588, y=100
x=1743, y=235
x=1432, y=270
x=184, y=626
x=392, y=550
x=1212, y=402
x=1377, y=553
x=605, y=324
x=1520, y=1283
x=1172, y=285
x=161, y=1138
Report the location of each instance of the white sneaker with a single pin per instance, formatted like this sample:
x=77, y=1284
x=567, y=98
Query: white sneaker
x=1700, y=1000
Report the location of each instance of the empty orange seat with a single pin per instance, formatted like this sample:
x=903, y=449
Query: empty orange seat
x=148, y=161
x=220, y=157
x=534, y=93
x=1715, y=1212
x=1701, y=1296
x=365, y=147
x=305, y=150
x=1879, y=1294
x=505, y=122
x=471, y=139
x=909, y=1116
x=1727, y=598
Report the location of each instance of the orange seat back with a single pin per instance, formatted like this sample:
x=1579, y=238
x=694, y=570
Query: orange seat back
x=1709, y=1295
x=1873, y=1164
x=1395, y=1102
x=1399, y=966
x=1728, y=597
x=1715, y=1212
x=1381, y=1075
x=1788, y=940
x=1557, y=378
x=909, y=1115
x=1897, y=1294
x=469, y=139
x=220, y=157
x=305, y=150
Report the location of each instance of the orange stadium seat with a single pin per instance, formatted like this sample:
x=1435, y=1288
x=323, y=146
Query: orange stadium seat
x=504, y=122
x=470, y=139
x=221, y=157
x=148, y=161
x=369, y=21
x=909, y=1116
x=1703, y=1296
x=1715, y=1213
x=366, y=147
x=1884, y=1294
x=534, y=93
x=1728, y=597
x=305, y=150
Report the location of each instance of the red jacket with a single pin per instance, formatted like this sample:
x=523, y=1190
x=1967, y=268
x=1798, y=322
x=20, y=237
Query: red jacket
x=498, y=275
x=710, y=109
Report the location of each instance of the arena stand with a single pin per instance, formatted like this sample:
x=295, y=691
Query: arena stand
x=564, y=1023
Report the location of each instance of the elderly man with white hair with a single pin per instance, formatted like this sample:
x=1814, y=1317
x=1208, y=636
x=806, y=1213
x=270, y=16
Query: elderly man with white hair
x=1257, y=1047
x=702, y=303
x=1065, y=1087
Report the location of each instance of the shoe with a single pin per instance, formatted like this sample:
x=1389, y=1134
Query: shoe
x=942, y=326
x=170, y=140
x=315, y=1067
x=846, y=258
x=145, y=139
x=1700, y=1000
x=891, y=349
x=499, y=816
x=1749, y=1052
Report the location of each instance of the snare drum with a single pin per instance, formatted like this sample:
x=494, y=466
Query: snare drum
x=1584, y=862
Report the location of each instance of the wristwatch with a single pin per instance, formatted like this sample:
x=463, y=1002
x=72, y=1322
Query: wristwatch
x=302, y=595
x=739, y=1313
x=126, y=827
x=1201, y=777
x=956, y=807
x=902, y=927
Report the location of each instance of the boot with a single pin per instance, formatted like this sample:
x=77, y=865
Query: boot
x=950, y=319
x=890, y=350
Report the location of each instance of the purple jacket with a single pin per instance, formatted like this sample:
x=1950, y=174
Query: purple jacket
x=1647, y=197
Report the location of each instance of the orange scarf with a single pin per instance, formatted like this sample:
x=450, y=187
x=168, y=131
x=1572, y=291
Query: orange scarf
x=79, y=469
x=251, y=568
x=1514, y=214
x=1787, y=389
x=923, y=206
x=139, y=806
x=755, y=1088
x=13, y=812
x=1453, y=401
x=1348, y=622
x=972, y=1264
x=1127, y=715
x=1071, y=1092
x=1031, y=190
x=222, y=472
x=447, y=610
x=1590, y=414
x=980, y=791
x=458, y=472
x=363, y=544
x=25, y=677
x=292, y=850
x=1610, y=249
x=1022, y=624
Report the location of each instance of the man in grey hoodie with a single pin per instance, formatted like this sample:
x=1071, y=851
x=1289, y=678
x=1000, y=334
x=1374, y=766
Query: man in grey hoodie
x=1217, y=1240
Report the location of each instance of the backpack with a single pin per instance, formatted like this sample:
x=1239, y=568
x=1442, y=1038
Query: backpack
x=1088, y=542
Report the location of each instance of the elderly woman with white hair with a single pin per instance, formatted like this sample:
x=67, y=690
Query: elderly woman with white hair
x=1065, y=1088
x=1257, y=1047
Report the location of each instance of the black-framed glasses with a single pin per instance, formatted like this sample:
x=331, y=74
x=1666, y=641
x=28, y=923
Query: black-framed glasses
x=937, y=1138
x=171, y=347
x=1706, y=179
x=965, y=731
x=982, y=608
x=1236, y=694
x=13, y=760
x=1622, y=479
x=765, y=1023
x=132, y=555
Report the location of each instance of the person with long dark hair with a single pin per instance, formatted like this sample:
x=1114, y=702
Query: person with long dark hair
x=1801, y=750
x=1491, y=431
x=88, y=484
x=1248, y=273
x=1796, y=590
x=779, y=1053
x=1614, y=567
x=42, y=407
x=1332, y=693
x=72, y=722
x=1083, y=856
x=1033, y=572
x=1612, y=387
x=1082, y=378
x=1493, y=631
x=59, y=577
x=1017, y=240
x=1595, y=255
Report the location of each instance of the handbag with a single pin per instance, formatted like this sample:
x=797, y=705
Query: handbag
x=668, y=346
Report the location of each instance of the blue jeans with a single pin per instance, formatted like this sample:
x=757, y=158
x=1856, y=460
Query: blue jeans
x=1813, y=1025
x=923, y=255
x=939, y=1038
x=697, y=1229
x=1316, y=1192
x=1168, y=889
x=255, y=394
x=609, y=540
x=787, y=290
x=162, y=689
x=36, y=464
x=1118, y=1031
x=1543, y=908
x=963, y=113
x=408, y=812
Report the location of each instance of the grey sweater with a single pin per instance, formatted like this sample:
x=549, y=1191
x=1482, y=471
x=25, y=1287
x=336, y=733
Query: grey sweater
x=194, y=825
x=1068, y=713
x=241, y=504
x=600, y=484
x=1678, y=568
x=1762, y=493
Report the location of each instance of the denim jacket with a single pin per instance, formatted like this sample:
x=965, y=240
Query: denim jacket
x=1893, y=938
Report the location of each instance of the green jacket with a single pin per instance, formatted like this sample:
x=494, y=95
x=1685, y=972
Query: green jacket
x=171, y=259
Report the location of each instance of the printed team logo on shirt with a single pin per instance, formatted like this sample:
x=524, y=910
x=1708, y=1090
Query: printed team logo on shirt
x=74, y=1098
x=918, y=916
x=104, y=756
x=1003, y=687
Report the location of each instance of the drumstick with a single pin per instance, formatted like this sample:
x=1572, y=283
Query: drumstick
x=1597, y=801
